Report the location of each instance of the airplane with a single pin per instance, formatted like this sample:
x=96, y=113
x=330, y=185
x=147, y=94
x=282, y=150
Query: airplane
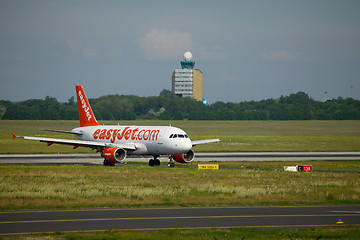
x=116, y=142
x=205, y=102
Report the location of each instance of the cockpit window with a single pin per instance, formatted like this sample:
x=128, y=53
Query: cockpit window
x=178, y=136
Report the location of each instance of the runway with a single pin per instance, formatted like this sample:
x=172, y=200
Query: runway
x=99, y=219
x=95, y=159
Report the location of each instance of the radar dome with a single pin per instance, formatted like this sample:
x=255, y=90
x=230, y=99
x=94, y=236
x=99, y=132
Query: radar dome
x=188, y=56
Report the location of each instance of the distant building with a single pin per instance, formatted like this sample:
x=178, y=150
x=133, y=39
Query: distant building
x=187, y=81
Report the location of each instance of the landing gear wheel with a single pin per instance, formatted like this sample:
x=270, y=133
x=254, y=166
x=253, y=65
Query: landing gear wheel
x=107, y=163
x=152, y=162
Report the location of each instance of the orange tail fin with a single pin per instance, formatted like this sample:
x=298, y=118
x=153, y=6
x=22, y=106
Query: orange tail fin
x=86, y=115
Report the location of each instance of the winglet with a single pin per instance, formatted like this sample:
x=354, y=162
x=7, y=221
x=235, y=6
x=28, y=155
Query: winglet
x=86, y=115
x=14, y=136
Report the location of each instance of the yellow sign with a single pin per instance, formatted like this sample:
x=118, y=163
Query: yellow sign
x=208, y=166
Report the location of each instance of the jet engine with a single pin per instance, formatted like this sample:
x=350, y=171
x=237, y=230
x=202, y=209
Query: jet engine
x=185, y=157
x=114, y=154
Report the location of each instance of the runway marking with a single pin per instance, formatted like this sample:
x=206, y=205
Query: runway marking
x=346, y=211
x=180, y=228
x=162, y=218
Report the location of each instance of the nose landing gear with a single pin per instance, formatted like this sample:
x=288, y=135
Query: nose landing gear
x=171, y=162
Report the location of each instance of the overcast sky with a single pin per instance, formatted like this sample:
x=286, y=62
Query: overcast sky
x=247, y=50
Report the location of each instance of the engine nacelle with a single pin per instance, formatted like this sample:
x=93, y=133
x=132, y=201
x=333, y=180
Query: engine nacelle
x=114, y=154
x=185, y=157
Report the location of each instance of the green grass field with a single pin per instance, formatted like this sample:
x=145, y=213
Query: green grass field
x=247, y=136
x=249, y=183
x=338, y=232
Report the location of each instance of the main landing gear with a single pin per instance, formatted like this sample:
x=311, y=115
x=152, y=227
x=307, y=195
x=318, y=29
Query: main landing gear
x=154, y=162
x=107, y=163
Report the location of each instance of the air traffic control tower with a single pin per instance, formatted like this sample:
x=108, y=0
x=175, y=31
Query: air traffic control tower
x=187, y=81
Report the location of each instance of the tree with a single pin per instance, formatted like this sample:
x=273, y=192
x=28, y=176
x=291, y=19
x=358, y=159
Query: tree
x=167, y=94
x=71, y=101
x=298, y=106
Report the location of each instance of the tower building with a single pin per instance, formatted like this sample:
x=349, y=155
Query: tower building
x=188, y=81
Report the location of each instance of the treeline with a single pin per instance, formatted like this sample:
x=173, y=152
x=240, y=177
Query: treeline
x=167, y=106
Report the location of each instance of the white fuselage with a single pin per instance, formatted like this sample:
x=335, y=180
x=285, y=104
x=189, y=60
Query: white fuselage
x=149, y=140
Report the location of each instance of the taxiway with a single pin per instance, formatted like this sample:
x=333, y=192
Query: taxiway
x=95, y=159
x=99, y=219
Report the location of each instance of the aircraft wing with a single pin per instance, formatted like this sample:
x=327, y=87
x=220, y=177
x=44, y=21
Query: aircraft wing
x=78, y=143
x=197, y=142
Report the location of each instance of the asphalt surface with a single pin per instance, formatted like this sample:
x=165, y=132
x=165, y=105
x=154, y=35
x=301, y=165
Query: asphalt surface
x=100, y=219
x=95, y=159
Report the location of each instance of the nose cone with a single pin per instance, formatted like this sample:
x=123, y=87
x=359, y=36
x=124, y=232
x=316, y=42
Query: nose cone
x=181, y=146
x=186, y=145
